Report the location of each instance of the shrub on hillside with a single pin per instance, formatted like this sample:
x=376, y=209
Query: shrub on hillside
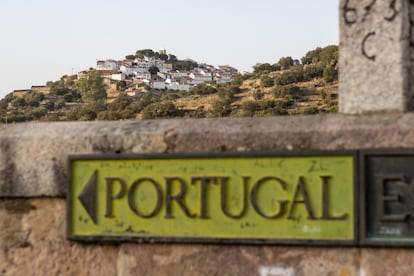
x=263, y=108
x=120, y=103
x=312, y=71
x=109, y=115
x=203, y=89
x=261, y=68
x=220, y=108
x=293, y=75
x=258, y=95
x=266, y=81
x=33, y=98
x=169, y=96
x=285, y=63
x=310, y=110
x=143, y=102
x=60, y=104
x=282, y=91
x=35, y=113
x=18, y=102
x=160, y=110
x=330, y=74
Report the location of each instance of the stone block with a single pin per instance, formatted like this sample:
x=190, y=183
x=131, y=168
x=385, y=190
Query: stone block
x=33, y=242
x=34, y=156
x=236, y=260
x=376, y=56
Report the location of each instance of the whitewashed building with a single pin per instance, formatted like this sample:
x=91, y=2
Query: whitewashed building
x=109, y=64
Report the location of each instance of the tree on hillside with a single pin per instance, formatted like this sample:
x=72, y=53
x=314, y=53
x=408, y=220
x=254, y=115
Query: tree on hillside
x=91, y=87
x=163, y=57
x=121, y=85
x=18, y=102
x=130, y=57
x=285, y=63
x=144, y=52
x=160, y=110
x=172, y=58
x=120, y=103
x=263, y=68
x=311, y=56
x=330, y=74
x=187, y=65
x=33, y=98
x=329, y=54
x=153, y=70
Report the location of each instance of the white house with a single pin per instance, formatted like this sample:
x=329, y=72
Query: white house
x=198, y=78
x=142, y=64
x=158, y=85
x=108, y=64
x=118, y=76
x=223, y=78
x=178, y=74
x=143, y=76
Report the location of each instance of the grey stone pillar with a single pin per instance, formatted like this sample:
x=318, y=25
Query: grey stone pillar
x=376, y=56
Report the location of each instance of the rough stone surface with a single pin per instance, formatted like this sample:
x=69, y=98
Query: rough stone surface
x=33, y=242
x=376, y=49
x=380, y=261
x=33, y=157
x=33, y=163
x=235, y=260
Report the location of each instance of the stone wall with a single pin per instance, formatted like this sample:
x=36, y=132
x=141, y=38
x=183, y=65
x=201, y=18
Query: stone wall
x=34, y=175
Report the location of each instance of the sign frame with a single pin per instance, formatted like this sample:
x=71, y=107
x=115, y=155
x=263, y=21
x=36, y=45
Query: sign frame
x=363, y=180
x=213, y=240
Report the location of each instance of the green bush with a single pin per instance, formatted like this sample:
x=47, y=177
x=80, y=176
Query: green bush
x=266, y=81
x=264, y=108
x=87, y=114
x=36, y=113
x=18, y=102
x=109, y=115
x=220, y=108
x=169, y=96
x=73, y=114
x=203, y=89
x=68, y=97
x=60, y=104
x=261, y=68
x=282, y=91
x=33, y=98
x=143, y=102
x=310, y=110
x=330, y=74
x=293, y=75
x=312, y=71
x=160, y=110
x=258, y=95
x=120, y=103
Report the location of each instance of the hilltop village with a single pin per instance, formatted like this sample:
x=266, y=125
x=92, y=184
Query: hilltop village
x=161, y=71
x=151, y=84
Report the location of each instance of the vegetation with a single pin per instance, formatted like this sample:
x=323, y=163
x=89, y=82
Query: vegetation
x=91, y=87
x=287, y=87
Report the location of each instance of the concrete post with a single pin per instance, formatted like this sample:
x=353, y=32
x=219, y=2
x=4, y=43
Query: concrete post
x=376, y=56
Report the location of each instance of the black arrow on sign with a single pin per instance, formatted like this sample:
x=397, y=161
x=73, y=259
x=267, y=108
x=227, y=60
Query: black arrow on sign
x=88, y=197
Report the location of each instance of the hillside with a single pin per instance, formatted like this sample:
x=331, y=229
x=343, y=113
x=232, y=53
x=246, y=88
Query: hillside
x=287, y=87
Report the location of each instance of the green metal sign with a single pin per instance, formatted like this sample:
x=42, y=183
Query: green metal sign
x=255, y=198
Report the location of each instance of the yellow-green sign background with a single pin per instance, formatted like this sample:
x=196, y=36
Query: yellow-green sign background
x=251, y=226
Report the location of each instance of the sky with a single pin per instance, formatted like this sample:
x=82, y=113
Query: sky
x=43, y=40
